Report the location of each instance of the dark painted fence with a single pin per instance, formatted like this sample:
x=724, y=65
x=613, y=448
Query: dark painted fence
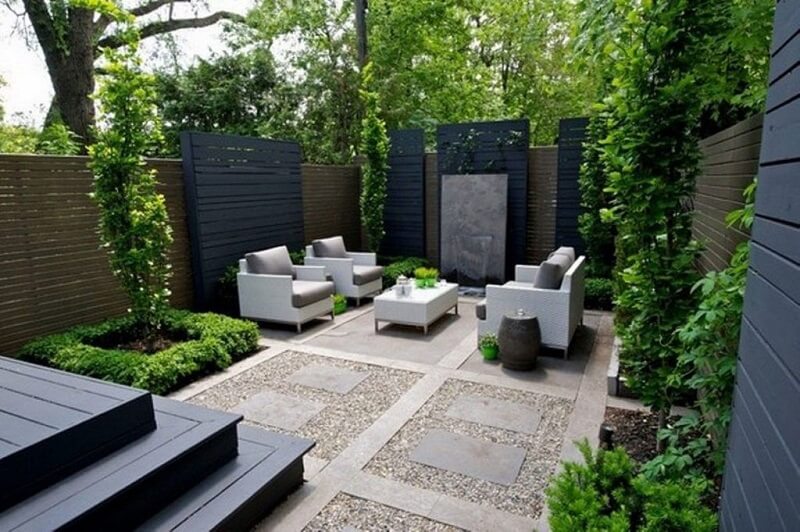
x=730, y=160
x=492, y=148
x=404, y=213
x=542, y=190
x=762, y=473
x=242, y=194
x=571, y=136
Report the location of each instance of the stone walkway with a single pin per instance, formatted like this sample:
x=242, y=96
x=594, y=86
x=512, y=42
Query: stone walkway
x=416, y=432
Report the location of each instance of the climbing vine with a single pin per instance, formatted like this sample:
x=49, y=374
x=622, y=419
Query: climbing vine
x=375, y=148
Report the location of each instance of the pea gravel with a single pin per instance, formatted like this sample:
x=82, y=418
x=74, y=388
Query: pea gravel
x=526, y=496
x=344, y=417
x=345, y=512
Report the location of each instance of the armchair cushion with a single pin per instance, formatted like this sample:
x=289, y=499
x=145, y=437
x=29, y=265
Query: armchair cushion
x=551, y=272
x=305, y=293
x=564, y=250
x=273, y=261
x=366, y=274
x=480, y=309
x=330, y=248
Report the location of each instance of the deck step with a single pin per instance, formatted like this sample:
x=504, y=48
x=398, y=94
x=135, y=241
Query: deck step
x=239, y=494
x=123, y=489
x=52, y=424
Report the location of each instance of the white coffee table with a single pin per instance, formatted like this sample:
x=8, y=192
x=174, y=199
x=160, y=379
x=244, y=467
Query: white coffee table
x=420, y=308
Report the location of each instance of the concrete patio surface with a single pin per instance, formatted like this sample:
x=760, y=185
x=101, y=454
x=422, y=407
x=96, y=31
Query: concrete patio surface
x=389, y=409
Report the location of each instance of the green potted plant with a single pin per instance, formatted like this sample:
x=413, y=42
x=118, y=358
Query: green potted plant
x=433, y=277
x=488, y=346
x=339, y=304
x=421, y=277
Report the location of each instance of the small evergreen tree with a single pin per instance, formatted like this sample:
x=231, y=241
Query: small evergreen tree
x=134, y=225
x=375, y=148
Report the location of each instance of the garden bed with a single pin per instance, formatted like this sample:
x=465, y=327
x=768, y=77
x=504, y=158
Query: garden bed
x=635, y=431
x=193, y=345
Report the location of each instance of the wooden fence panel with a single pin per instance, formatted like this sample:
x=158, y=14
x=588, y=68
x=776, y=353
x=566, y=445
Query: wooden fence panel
x=432, y=208
x=53, y=273
x=542, y=191
x=243, y=194
x=730, y=161
x=571, y=135
x=330, y=202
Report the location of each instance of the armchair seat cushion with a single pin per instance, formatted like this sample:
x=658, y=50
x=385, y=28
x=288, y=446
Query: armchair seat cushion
x=273, y=261
x=305, y=293
x=329, y=248
x=366, y=274
x=480, y=309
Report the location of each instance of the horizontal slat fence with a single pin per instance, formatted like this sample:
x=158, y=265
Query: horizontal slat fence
x=542, y=191
x=330, y=202
x=53, y=273
x=730, y=161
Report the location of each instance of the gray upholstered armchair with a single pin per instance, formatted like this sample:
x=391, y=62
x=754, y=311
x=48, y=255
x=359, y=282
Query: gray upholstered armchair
x=355, y=275
x=272, y=289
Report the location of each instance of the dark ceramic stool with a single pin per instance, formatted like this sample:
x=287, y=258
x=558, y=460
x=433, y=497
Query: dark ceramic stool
x=519, y=339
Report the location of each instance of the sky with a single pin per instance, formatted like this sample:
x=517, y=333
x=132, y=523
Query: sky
x=27, y=93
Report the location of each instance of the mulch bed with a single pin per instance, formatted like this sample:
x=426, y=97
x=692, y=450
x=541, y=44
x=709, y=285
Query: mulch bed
x=635, y=431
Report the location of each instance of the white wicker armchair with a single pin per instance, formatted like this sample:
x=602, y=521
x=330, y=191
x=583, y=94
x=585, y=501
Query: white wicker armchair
x=355, y=275
x=296, y=298
x=559, y=311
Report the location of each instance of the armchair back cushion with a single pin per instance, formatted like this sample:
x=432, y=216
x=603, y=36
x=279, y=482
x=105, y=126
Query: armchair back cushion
x=273, y=261
x=551, y=272
x=564, y=250
x=329, y=248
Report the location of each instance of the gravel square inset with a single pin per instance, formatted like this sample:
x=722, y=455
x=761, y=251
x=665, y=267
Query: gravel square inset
x=526, y=495
x=347, y=513
x=344, y=416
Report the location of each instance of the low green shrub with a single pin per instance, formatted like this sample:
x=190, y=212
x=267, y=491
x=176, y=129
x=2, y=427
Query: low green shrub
x=394, y=267
x=227, y=292
x=606, y=493
x=212, y=342
x=599, y=294
x=339, y=304
x=298, y=257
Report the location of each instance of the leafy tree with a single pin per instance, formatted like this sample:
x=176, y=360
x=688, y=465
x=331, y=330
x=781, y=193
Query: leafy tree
x=71, y=34
x=652, y=155
x=134, y=225
x=57, y=139
x=375, y=149
x=242, y=93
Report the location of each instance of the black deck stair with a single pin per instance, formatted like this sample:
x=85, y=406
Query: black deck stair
x=192, y=469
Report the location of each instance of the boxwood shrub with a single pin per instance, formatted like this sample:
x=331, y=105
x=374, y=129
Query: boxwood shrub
x=212, y=342
x=397, y=266
x=599, y=294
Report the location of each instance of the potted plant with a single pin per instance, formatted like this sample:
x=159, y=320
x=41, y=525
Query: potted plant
x=488, y=346
x=339, y=304
x=433, y=277
x=421, y=277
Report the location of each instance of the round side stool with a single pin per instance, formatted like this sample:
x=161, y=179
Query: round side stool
x=519, y=339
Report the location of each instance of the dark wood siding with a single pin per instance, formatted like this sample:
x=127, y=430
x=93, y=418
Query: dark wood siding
x=762, y=474
x=542, y=190
x=404, y=214
x=242, y=194
x=432, y=208
x=492, y=148
x=730, y=161
x=330, y=202
x=571, y=135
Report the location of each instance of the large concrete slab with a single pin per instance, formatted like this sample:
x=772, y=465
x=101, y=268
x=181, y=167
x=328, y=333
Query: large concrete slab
x=279, y=410
x=469, y=456
x=473, y=228
x=329, y=378
x=496, y=413
x=401, y=342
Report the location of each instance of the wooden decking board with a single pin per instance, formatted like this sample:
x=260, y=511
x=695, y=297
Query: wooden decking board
x=53, y=423
x=124, y=487
x=268, y=467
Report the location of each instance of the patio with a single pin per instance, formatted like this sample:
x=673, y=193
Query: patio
x=416, y=429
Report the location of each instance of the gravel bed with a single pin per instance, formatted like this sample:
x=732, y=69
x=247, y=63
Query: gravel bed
x=344, y=417
x=346, y=512
x=526, y=496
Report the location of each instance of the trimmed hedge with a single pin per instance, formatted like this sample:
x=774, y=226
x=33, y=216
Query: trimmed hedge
x=212, y=343
x=397, y=266
x=599, y=294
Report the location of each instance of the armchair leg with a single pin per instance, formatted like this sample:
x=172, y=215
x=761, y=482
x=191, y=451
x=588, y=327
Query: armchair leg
x=358, y=301
x=299, y=328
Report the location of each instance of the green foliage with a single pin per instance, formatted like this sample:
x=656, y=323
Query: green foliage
x=598, y=234
x=651, y=156
x=238, y=93
x=17, y=139
x=426, y=273
x=375, y=149
x=339, y=304
x=605, y=493
x=212, y=343
x=599, y=293
x=227, y=292
x=398, y=266
x=298, y=257
x=57, y=139
x=488, y=341
x=696, y=444
x=134, y=225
